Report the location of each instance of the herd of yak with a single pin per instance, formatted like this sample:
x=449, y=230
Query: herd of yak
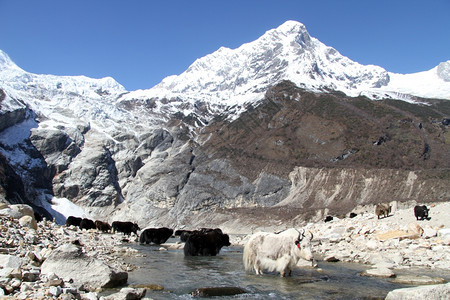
x=264, y=251
x=384, y=209
x=204, y=242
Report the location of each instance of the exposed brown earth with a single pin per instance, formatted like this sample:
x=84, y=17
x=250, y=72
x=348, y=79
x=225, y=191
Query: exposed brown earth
x=293, y=127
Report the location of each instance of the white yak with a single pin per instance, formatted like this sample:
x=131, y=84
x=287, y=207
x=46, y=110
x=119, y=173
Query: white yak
x=277, y=251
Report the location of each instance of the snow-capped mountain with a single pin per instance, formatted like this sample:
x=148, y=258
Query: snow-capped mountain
x=226, y=78
x=66, y=99
x=235, y=76
x=140, y=153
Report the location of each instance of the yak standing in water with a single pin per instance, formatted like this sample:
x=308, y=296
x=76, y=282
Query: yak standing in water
x=278, y=252
x=155, y=235
x=205, y=243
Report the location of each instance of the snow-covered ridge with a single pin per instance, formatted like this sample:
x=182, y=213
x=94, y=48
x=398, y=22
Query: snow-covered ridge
x=18, y=79
x=224, y=79
x=235, y=76
x=434, y=83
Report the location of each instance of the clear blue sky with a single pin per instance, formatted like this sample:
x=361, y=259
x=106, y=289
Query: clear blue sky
x=140, y=42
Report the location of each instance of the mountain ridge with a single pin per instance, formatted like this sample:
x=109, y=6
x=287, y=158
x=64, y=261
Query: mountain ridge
x=231, y=138
x=331, y=71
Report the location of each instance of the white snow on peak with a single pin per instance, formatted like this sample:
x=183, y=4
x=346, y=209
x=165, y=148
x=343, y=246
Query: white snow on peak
x=6, y=62
x=443, y=70
x=434, y=83
x=235, y=76
x=221, y=80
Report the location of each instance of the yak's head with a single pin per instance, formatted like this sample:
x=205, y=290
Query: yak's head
x=303, y=244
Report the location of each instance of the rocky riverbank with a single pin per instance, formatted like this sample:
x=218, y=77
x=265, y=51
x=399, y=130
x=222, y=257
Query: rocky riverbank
x=397, y=241
x=45, y=260
x=48, y=261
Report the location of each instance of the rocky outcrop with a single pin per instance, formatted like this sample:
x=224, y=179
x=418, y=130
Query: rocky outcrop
x=340, y=189
x=57, y=147
x=91, y=180
x=12, y=189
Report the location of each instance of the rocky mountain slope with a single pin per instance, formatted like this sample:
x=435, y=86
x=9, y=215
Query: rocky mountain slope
x=283, y=122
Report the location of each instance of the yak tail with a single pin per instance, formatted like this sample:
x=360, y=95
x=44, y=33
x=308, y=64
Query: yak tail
x=248, y=257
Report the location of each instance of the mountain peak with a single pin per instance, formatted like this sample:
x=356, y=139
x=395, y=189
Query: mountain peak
x=6, y=62
x=291, y=27
x=443, y=70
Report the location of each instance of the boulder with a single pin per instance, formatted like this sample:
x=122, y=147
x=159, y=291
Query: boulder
x=218, y=291
x=10, y=261
x=415, y=228
x=372, y=245
x=429, y=233
x=430, y=292
x=9, y=212
x=24, y=209
x=29, y=222
x=69, y=263
x=444, y=232
x=127, y=294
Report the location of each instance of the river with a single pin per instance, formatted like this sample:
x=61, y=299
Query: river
x=180, y=276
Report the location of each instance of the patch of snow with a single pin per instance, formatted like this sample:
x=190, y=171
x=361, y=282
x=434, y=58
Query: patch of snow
x=18, y=133
x=66, y=208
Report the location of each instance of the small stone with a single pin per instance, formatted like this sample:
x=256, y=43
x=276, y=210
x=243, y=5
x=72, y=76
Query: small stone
x=331, y=258
x=30, y=276
x=25, y=287
x=15, y=283
x=55, y=291
x=54, y=282
x=89, y=296
x=379, y=272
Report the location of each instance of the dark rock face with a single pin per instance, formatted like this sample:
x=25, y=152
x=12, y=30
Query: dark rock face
x=11, y=186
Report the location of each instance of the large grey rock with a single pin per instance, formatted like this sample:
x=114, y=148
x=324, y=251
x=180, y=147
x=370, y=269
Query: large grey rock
x=10, y=261
x=91, y=179
x=68, y=262
x=16, y=211
x=23, y=209
x=430, y=292
x=57, y=147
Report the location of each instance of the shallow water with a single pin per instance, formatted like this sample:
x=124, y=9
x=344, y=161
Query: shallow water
x=180, y=276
